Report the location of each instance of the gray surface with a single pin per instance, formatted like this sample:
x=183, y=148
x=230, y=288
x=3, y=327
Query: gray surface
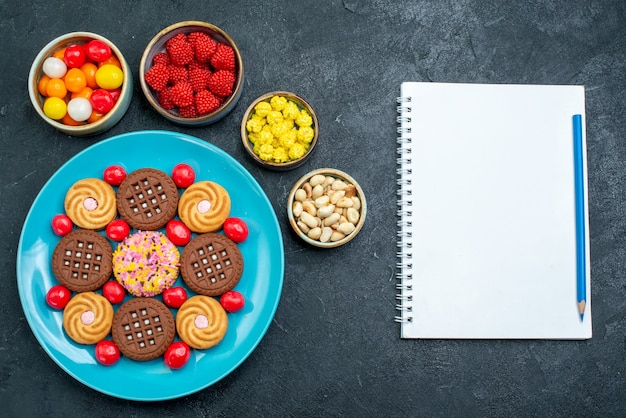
x=333, y=347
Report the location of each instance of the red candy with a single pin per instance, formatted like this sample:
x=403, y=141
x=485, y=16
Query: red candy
x=183, y=175
x=113, y=292
x=62, y=225
x=74, y=56
x=177, y=355
x=115, y=94
x=114, y=175
x=117, y=230
x=98, y=51
x=102, y=101
x=232, y=301
x=107, y=352
x=58, y=296
x=178, y=232
x=174, y=297
x=236, y=229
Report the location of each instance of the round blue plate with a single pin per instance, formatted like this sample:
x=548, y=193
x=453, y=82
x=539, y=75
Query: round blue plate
x=261, y=283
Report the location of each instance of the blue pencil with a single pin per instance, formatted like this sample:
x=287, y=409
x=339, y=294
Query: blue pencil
x=579, y=179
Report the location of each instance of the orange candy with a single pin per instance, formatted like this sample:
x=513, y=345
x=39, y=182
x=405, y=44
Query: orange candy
x=43, y=83
x=67, y=120
x=75, y=80
x=56, y=88
x=89, y=69
x=95, y=116
x=111, y=60
x=60, y=53
x=85, y=93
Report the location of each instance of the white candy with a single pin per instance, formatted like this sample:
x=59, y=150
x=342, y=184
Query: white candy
x=54, y=67
x=79, y=109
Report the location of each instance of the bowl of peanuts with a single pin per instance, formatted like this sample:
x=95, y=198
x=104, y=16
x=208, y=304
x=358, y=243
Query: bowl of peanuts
x=326, y=208
x=80, y=83
x=279, y=130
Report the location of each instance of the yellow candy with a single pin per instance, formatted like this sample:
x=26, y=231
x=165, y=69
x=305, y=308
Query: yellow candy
x=288, y=139
x=278, y=102
x=266, y=151
x=305, y=134
x=262, y=109
x=109, y=77
x=265, y=137
x=255, y=124
x=55, y=108
x=280, y=155
x=279, y=129
x=304, y=119
x=291, y=111
x=274, y=116
x=297, y=151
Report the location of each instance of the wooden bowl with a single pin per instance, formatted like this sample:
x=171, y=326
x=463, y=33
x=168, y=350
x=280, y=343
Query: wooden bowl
x=303, y=227
x=157, y=44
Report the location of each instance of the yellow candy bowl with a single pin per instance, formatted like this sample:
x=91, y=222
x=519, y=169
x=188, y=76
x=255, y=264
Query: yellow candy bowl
x=87, y=127
x=279, y=130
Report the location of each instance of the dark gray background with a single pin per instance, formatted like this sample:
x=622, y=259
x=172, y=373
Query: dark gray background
x=333, y=348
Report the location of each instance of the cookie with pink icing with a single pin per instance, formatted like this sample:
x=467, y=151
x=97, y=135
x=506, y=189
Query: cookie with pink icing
x=87, y=318
x=91, y=203
x=201, y=322
x=146, y=263
x=204, y=206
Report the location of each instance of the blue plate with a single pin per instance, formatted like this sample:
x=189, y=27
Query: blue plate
x=261, y=283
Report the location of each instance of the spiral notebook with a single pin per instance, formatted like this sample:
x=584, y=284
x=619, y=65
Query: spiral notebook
x=487, y=232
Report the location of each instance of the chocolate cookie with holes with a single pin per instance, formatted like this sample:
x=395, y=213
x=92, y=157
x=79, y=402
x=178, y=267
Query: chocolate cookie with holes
x=147, y=199
x=82, y=260
x=211, y=264
x=143, y=328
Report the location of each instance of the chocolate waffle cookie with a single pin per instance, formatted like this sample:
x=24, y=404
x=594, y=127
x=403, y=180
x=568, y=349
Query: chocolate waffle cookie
x=211, y=264
x=82, y=260
x=147, y=199
x=143, y=328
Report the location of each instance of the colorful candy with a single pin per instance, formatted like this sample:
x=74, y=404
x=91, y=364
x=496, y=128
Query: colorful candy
x=54, y=108
x=54, y=67
x=80, y=83
x=109, y=76
x=79, y=109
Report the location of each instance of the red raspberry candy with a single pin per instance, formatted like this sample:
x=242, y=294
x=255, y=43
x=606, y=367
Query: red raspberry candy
x=224, y=58
x=203, y=45
x=161, y=58
x=194, y=65
x=199, y=78
x=182, y=94
x=157, y=76
x=188, y=112
x=165, y=98
x=206, y=102
x=179, y=49
x=177, y=73
x=221, y=83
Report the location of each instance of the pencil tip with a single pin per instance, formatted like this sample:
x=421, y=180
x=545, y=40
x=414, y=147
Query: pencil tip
x=581, y=317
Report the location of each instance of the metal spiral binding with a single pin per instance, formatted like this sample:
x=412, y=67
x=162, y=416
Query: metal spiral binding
x=404, y=265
